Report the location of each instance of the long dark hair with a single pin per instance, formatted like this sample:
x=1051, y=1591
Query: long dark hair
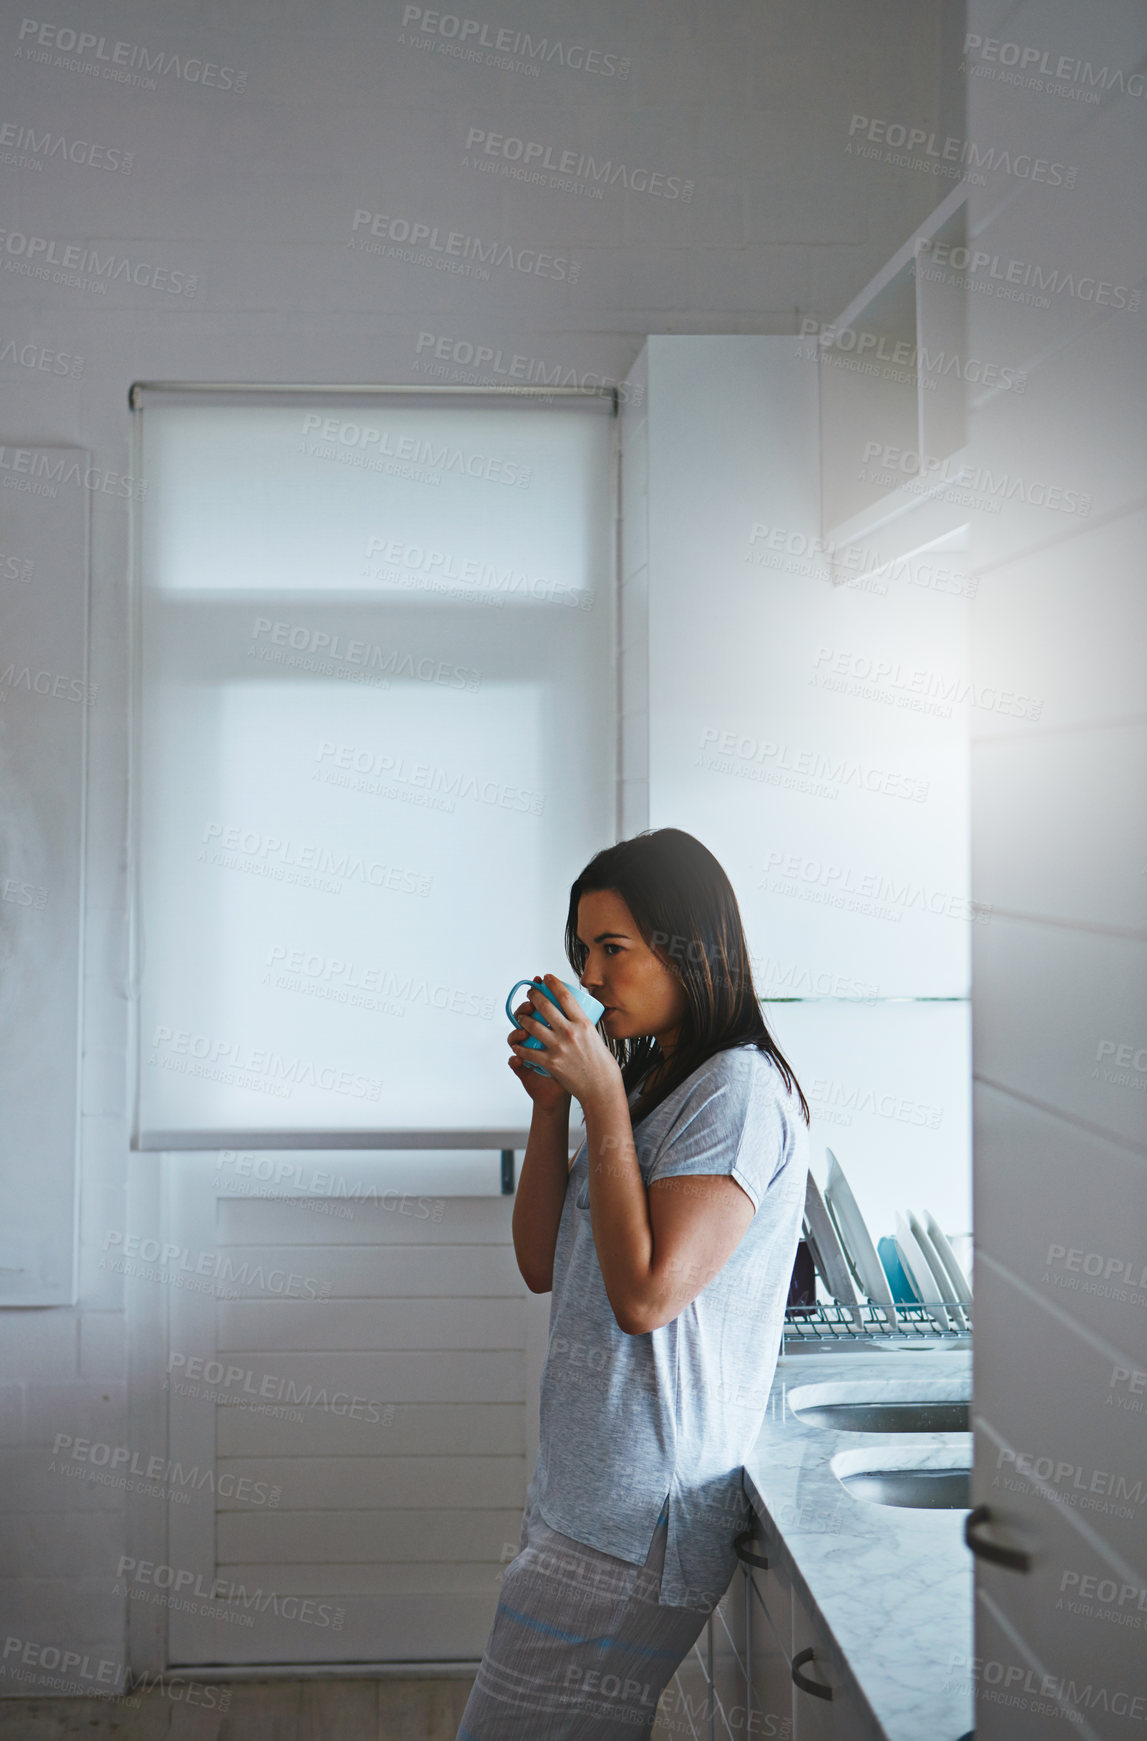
x=684, y=906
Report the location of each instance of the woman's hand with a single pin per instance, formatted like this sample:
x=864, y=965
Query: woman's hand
x=577, y=1058
x=545, y=1093
x=550, y=1096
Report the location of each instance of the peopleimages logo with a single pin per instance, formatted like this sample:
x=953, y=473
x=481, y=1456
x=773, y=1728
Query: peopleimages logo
x=999, y=487
x=181, y=1582
x=54, y=683
x=391, y=660
x=56, y=468
x=512, y=366
x=121, y=60
x=930, y=365
x=171, y=1045
x=1064, y=70
x=807, y=770
x=963, y=152
x=419, y=450
x=32, y=356
x=466, y=36
x=530, y=158
x=1010, y=277
x=95, y=1676
x=122, y=1460
x=887, y=680
x=33, y=254
x=19, y=139
x=455, y=251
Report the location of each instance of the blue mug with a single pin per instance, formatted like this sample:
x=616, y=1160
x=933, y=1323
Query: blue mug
x=590, y=1005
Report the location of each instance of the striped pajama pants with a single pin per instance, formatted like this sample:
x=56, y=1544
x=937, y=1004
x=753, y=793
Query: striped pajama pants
x=580, y=1648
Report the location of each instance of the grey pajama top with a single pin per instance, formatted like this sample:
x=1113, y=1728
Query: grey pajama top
x=631, y=1426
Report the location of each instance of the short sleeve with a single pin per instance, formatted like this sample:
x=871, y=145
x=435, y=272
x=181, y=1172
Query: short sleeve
x=730, y=1120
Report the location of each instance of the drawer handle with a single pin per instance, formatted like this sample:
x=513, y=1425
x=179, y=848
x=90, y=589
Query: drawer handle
x=1015, y=1559
x=816, y=1688
x=741, y=1549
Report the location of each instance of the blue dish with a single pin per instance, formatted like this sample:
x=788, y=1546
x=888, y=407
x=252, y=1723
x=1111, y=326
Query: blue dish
x=903, y=1293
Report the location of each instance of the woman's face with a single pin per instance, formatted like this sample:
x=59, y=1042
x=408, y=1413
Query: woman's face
x=640, y=993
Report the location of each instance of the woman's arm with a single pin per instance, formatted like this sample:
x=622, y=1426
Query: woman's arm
x=540, y=1194
x=657, y=1246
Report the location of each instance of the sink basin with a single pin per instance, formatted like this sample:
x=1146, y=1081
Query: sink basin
x=924, y=1478
x=943, y=1416
x=904, y=1402
x=925, y=1489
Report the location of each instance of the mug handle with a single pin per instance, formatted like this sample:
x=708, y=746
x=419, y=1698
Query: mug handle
x=510, y=1016
x=534, y=1045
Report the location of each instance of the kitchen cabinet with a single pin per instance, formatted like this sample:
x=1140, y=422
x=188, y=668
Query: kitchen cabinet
x=768, y=1639
x=768, y=1665
x=870, y=1602
x=825, y=1703
x=726, y=1631
x=685, y=1710
x=795, y=1682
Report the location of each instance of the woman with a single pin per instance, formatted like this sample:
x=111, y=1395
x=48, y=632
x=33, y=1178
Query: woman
x=668, y=1244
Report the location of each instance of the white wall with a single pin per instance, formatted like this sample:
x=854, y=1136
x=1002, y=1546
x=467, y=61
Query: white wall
x=227, y=253
x=838, y=818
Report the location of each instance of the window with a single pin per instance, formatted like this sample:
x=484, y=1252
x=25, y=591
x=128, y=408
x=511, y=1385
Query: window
x=375, y=742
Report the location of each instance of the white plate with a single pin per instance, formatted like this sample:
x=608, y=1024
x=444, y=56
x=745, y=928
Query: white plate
x=826, y=1252
x=856, y=1239
x=919, y=1273
x=960, y=1282
x=942, y=1278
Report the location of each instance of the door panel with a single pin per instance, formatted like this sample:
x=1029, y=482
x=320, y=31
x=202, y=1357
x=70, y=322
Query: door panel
x=843, y=1717
x=769, y=1654
x=728, y=1622
x=352, y=1407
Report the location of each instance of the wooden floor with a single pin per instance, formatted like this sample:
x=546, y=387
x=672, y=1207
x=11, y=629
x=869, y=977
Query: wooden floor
x=277, y=1710
x=314, y=1709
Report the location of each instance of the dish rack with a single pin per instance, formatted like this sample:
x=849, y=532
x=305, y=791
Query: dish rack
x=829, y=1322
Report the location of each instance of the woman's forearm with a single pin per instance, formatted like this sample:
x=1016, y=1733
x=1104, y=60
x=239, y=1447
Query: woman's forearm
x=540, y=1196
x=618, y=1204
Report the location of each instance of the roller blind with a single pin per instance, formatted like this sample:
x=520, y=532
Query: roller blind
x=375, y=743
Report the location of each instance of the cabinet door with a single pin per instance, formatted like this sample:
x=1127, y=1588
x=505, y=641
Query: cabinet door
x=768, y=1654
x=817, y=1664
x=727, y=1624
x=685, y=1710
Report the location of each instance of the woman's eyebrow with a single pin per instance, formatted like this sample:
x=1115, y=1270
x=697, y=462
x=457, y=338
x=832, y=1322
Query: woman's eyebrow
x=604, y=936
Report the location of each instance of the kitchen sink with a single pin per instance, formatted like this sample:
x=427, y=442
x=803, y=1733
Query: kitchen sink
x=927, y=1489
x=902, y=1402
x=942, y=1416
x=932, y=1478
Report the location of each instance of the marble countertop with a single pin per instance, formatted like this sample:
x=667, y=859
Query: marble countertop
x=892, y=1586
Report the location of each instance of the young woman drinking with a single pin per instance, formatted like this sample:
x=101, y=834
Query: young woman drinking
x=667, y=1245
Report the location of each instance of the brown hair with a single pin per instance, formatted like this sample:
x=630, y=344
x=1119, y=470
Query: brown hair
x=684, y=906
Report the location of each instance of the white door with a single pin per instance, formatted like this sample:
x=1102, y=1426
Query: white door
x=1060, y=974
x=353, y=1372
